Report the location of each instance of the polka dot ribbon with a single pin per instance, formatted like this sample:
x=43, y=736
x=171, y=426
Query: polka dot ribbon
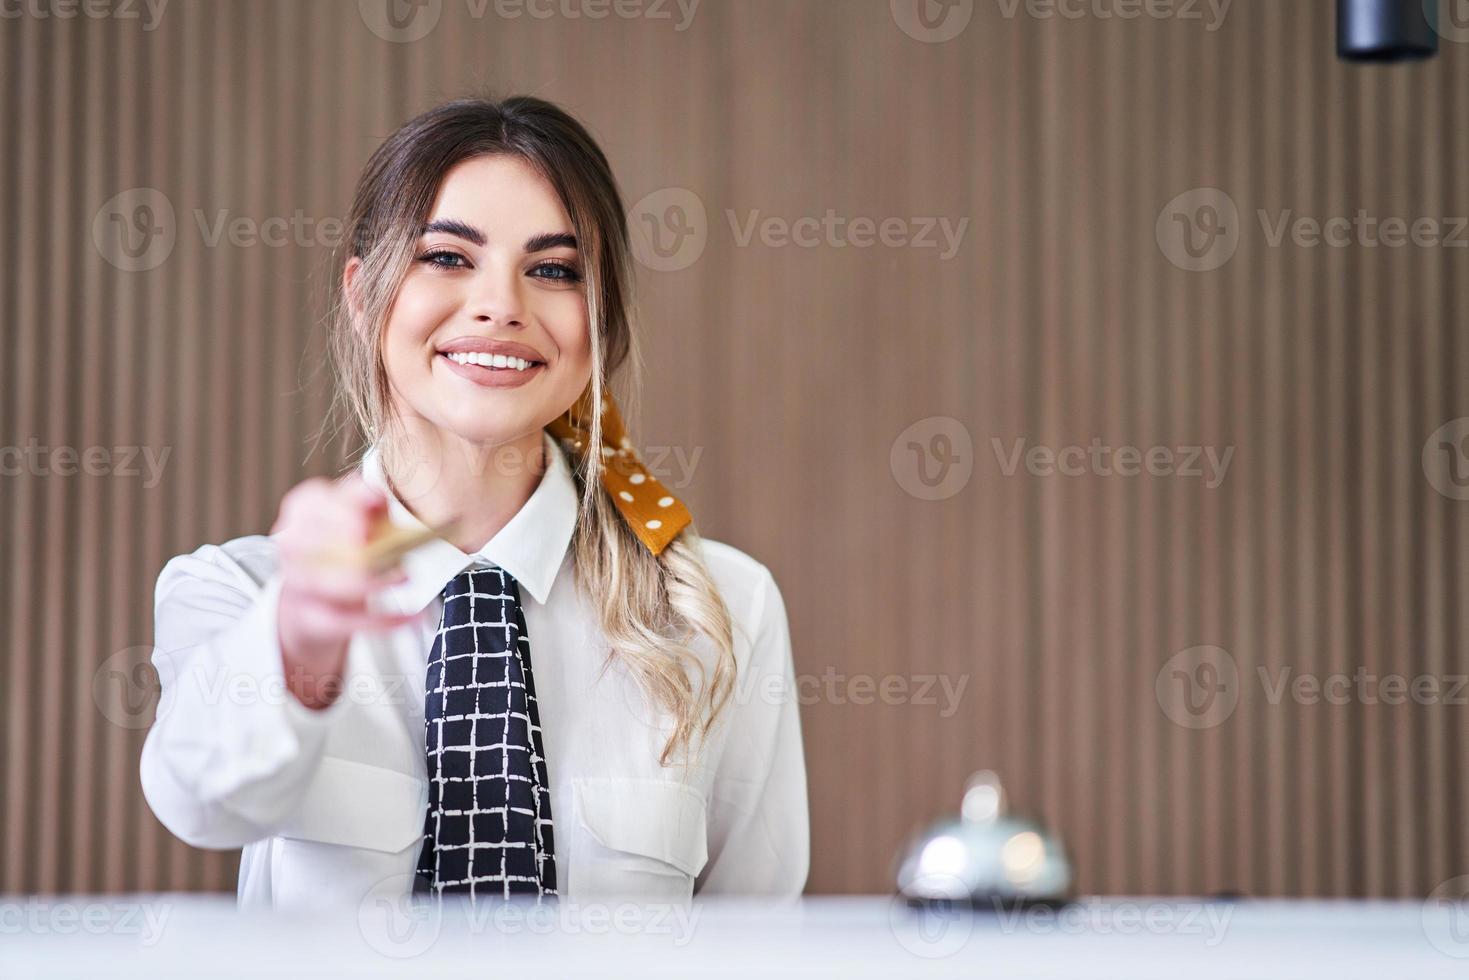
x=655, y=515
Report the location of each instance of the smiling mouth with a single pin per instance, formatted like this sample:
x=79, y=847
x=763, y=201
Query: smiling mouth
x=495, y=362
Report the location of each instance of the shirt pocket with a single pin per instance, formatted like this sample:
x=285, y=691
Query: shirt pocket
x=644, y=839
x=357, y=827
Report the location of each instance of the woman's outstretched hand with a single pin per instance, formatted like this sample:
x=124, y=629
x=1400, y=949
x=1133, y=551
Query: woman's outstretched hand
x=323, y=603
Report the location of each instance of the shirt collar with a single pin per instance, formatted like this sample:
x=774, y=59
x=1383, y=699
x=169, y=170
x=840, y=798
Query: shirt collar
x=531, y=547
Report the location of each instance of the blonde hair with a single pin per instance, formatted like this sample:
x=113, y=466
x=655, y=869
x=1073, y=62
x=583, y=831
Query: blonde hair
x=650, y=608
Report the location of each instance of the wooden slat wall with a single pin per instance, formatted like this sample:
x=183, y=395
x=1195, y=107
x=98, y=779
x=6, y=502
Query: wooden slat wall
x=1055, y=600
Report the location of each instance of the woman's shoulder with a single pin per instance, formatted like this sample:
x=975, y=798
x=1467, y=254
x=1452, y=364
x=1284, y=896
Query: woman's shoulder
x=747, y=585
x=243, y=562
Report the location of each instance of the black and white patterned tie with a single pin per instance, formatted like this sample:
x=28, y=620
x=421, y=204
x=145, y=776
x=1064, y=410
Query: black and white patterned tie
x=487, y=831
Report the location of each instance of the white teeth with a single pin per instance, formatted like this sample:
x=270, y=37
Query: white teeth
x=489, y=360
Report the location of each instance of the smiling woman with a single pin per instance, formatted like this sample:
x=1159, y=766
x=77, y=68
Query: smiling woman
x=570, y=645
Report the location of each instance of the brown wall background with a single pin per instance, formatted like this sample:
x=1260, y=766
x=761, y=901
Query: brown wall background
x=1056, y=600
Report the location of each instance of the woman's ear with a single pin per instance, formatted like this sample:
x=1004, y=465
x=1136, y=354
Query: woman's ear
x=350, y=275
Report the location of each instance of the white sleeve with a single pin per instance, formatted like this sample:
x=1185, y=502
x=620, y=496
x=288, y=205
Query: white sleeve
x=759, y=824
x=232, y=750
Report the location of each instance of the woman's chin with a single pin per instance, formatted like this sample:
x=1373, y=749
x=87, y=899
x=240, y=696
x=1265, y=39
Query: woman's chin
x=505, y=430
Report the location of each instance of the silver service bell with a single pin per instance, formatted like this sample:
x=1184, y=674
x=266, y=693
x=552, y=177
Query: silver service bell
x=984, y=857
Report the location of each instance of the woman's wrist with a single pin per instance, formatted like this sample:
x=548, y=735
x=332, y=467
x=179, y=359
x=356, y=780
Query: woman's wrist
x=313, y=669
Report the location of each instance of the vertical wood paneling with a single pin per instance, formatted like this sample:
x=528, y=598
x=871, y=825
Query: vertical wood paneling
x=1055, y=600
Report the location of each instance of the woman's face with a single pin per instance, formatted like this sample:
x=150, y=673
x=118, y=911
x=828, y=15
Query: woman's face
x=496, y=270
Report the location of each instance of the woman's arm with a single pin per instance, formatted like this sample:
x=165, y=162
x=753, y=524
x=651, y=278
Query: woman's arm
x=251, y=664
x=232, y=749
x=759, y=824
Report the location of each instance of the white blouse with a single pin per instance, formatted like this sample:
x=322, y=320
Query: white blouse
x=329, y=805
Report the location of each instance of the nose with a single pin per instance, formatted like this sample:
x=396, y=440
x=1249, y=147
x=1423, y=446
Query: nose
x=496, y=298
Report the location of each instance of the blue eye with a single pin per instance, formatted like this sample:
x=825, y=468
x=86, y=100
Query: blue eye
x=562, y=272
x=444, y=259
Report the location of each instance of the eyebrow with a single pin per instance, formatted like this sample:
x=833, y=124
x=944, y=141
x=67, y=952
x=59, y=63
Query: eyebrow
x=536, y=243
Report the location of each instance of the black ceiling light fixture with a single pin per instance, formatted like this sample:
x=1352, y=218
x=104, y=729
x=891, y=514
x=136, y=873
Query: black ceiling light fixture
x=1386, y=30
